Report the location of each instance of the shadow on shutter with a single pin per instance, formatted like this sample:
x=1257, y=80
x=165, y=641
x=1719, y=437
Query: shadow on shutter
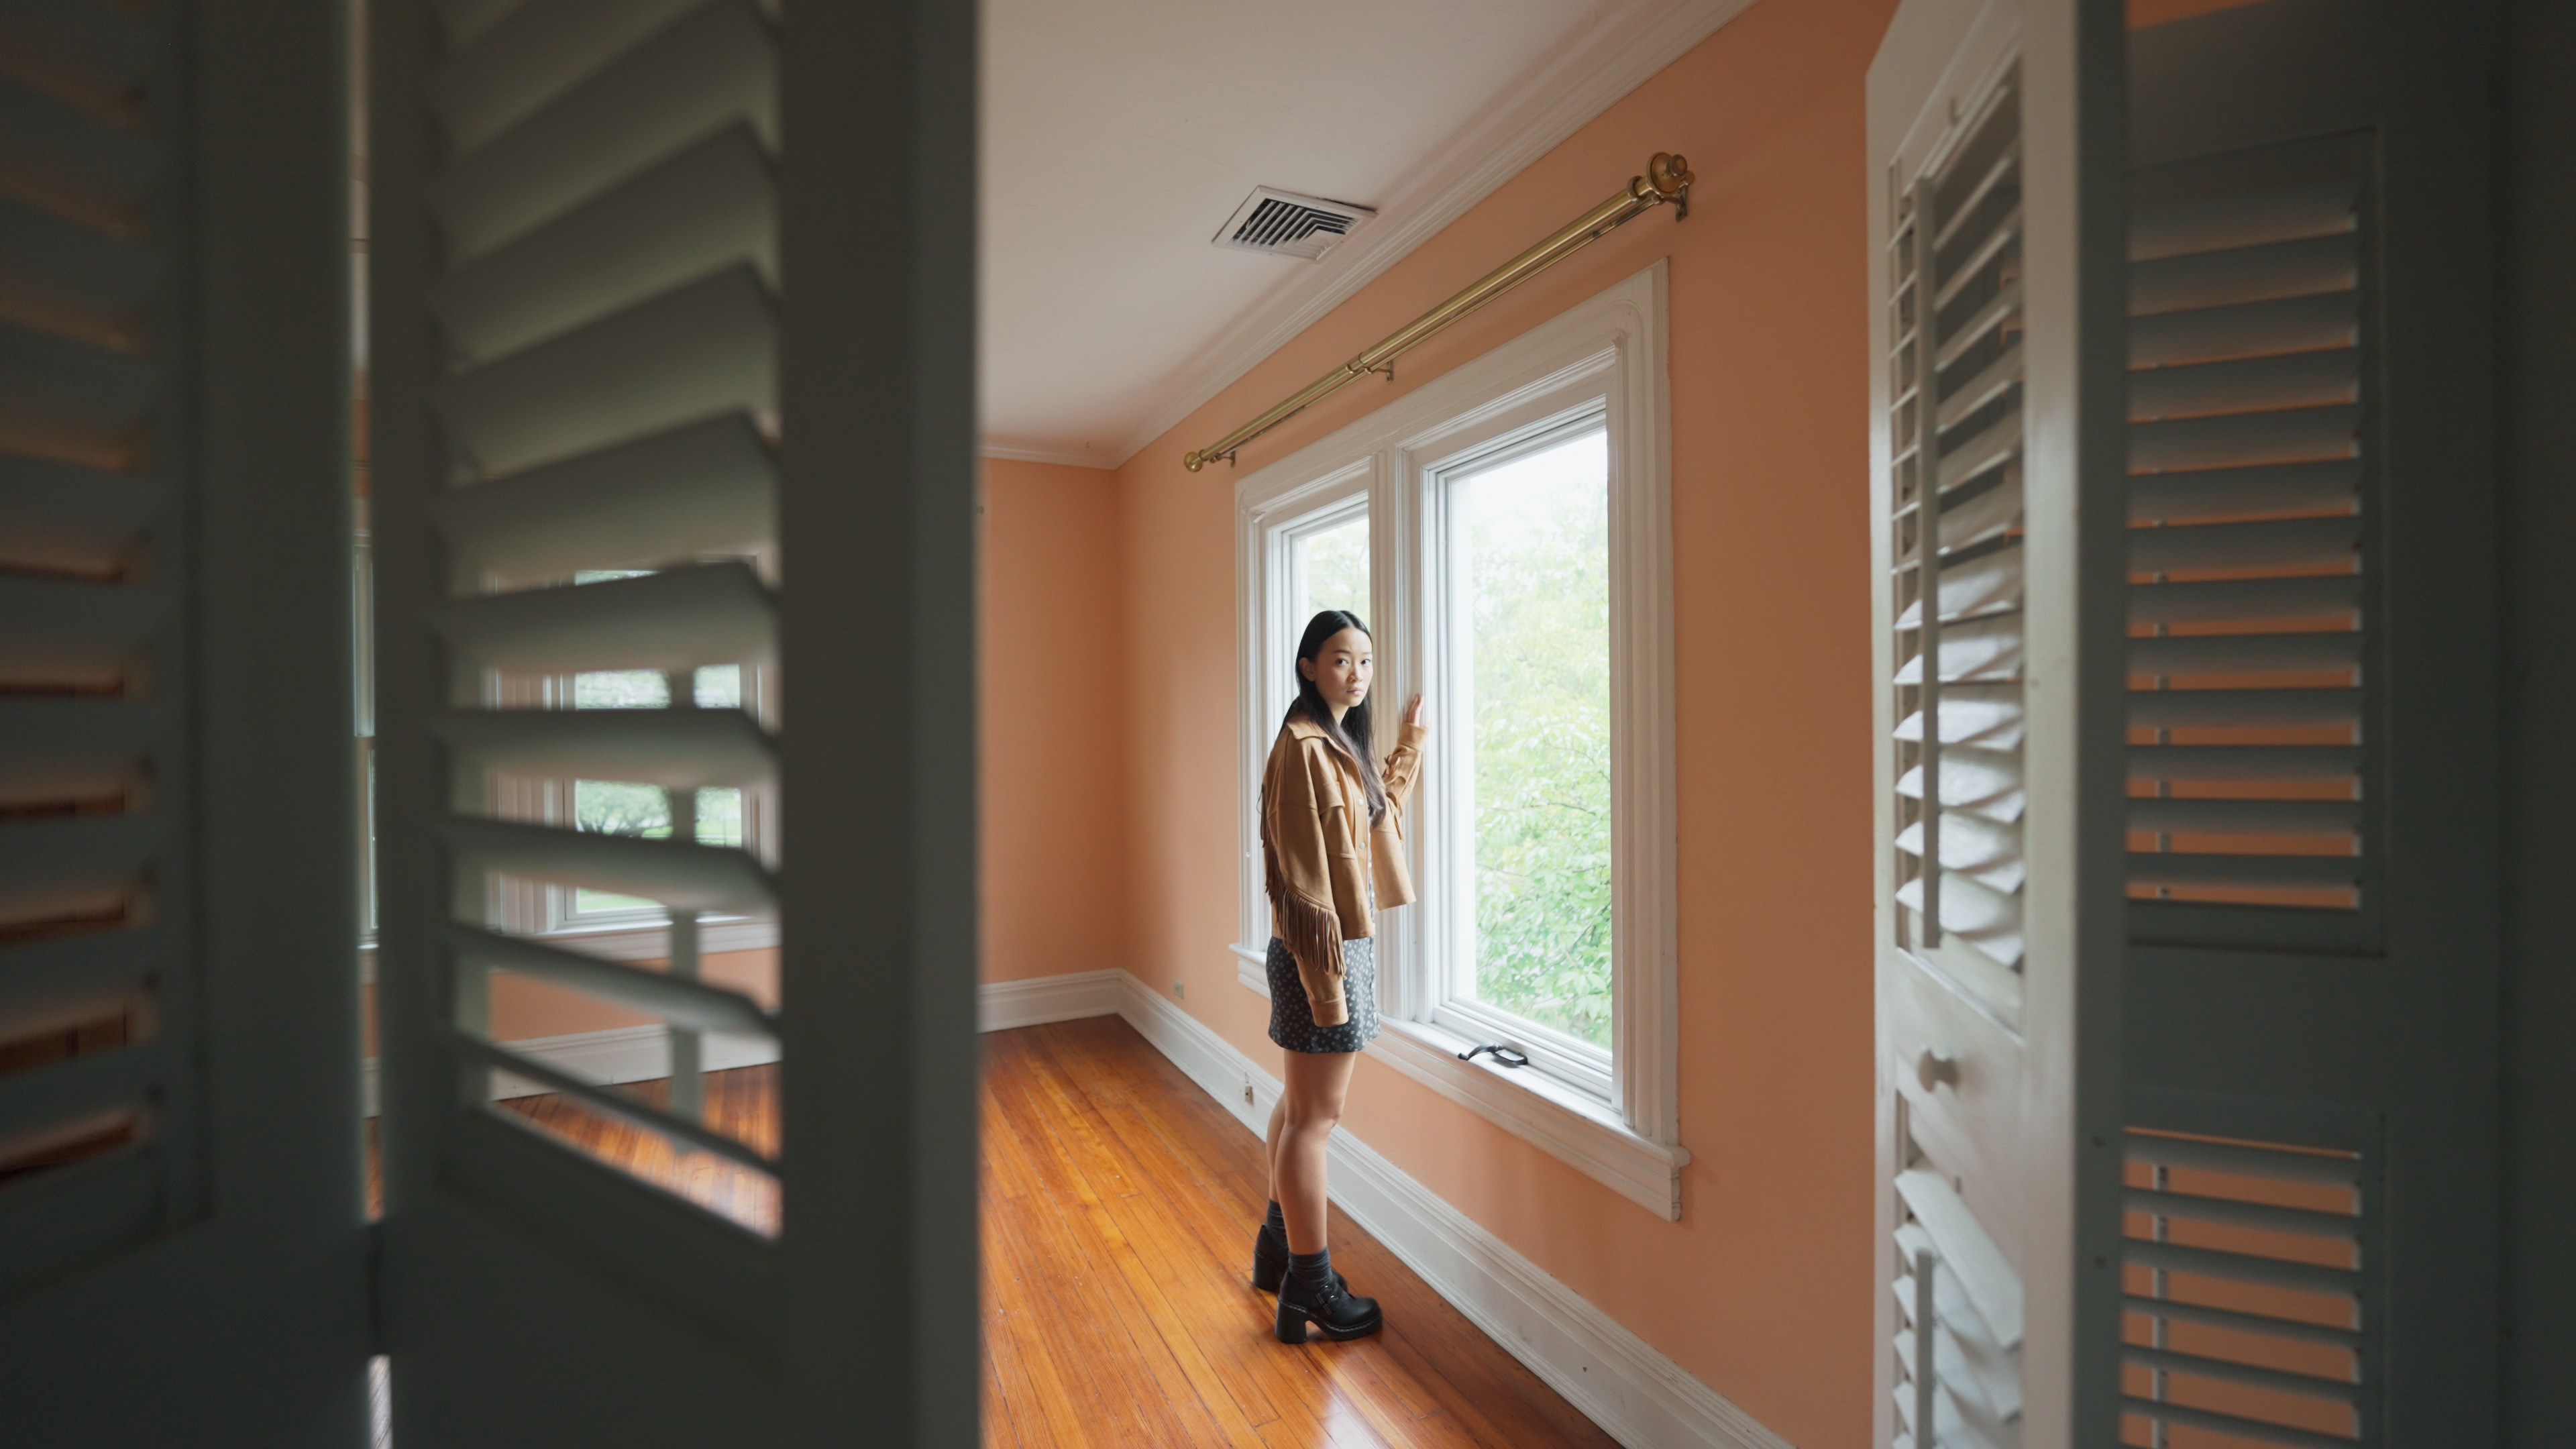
x=2248, y=475
x=96, y=993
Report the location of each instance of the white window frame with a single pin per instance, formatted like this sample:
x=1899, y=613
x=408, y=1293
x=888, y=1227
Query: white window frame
x=1612, y=1115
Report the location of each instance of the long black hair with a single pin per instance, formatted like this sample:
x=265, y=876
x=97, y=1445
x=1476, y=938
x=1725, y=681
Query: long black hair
x=1352, y=733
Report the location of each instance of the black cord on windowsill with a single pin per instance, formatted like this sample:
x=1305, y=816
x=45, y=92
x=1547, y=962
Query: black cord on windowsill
x=1507, y=1056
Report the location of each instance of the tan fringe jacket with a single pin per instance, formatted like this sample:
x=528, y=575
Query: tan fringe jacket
x=1316, y=841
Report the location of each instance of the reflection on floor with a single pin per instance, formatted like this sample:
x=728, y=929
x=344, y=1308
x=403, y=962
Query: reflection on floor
x=1119, y=1206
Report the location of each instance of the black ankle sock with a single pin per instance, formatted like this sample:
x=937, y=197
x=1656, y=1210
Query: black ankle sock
x=1312, y=1270
x=1274, y=1222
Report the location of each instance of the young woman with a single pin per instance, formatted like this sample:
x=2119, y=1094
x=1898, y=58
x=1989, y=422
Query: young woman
x=1332, y=846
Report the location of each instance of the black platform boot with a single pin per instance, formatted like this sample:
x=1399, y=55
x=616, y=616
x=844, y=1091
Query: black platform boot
x=1270, y=1252
x=1314, y=1293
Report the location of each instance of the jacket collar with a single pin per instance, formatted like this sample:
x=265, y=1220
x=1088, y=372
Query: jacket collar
x=1299, y=727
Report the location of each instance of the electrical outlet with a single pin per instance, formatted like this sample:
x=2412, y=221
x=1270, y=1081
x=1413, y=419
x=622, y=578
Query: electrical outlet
x=1180, y=991
x=1247, y=1091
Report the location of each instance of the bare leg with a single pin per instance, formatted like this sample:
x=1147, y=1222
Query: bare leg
x=1309, y=1110
x=1270, y=1142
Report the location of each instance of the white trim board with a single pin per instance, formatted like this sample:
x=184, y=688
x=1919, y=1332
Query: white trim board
x=1616, y=1379
x=1003, y=1005
x=1551, y=103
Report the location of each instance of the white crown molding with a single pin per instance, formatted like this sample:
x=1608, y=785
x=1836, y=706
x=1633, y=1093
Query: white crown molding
x=1023, y=453
x=1616, y=1379
x=1530, y=117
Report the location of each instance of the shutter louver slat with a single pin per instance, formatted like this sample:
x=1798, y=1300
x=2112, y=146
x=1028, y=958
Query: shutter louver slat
x=713, y=68
x=1983, y=515
x=2259, y=384
x=2219, y=493
x=65, y=752
x=2276, y=709
x=694, y=749
x=2243, y=762
x=2287, y=544
x=710, y=347
x=616, y=1104
x=1987, y=714
x=1970, y=1256
x=708, y=488
x=682, y=1002
x=58, y=636
x=101, y=48
x=2245, y=817
x=2259, y=274
x=63, y=870
x=680, y=619
x=2171, y=870
x=58, y=519
x=708, y=206
x=70, y=401
x=56, y=273
x=2255, y=329
x=2253, y=658
x=2245, y=601
x=73, y=1095
x=76, y=165
x=2245, y=440
x=2317, y=209
x=466, y=21
x=681, y=874
x=533, y=55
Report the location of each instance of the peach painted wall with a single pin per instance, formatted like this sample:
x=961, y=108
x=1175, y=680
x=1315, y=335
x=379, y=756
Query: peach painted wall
x=1762, y=1290
x=1051, y=792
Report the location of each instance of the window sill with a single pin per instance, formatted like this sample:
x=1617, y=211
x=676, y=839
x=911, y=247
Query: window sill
x=1252, y=968
x=653, y=943
x=1563, y=1121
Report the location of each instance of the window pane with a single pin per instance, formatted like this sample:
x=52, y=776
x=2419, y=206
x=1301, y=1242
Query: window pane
x=616, y=807
x=1333, y=572
x=1532, y=540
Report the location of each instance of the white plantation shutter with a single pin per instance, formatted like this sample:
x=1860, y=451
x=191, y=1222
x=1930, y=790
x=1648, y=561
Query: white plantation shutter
x=2311, y=992
x=1998, y=389
x=586, y=344
x=180, y=1209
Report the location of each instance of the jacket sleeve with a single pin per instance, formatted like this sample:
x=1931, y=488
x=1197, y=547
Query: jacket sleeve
x=1404, y=766
x=1297, y=862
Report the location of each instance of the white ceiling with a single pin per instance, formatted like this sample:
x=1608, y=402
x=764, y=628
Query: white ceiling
x=1120, y=134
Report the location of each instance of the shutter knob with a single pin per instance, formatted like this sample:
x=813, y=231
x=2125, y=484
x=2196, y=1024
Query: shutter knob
x=1933, y=1068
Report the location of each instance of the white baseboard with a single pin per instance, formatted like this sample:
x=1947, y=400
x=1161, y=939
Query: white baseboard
x=1619, y=1381
x=1002, y=1005
x=621, y=1054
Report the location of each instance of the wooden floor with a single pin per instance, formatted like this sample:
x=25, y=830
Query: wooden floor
x=1119, y=1204
x=1119, y=1208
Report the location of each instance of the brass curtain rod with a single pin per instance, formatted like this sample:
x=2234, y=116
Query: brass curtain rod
x=1667, y=179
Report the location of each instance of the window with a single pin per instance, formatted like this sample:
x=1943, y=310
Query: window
x=1523, y=629
x=616, y=925
x=1503, y=531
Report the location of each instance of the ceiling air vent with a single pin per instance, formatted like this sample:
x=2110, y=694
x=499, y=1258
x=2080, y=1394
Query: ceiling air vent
x=1288, y=225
